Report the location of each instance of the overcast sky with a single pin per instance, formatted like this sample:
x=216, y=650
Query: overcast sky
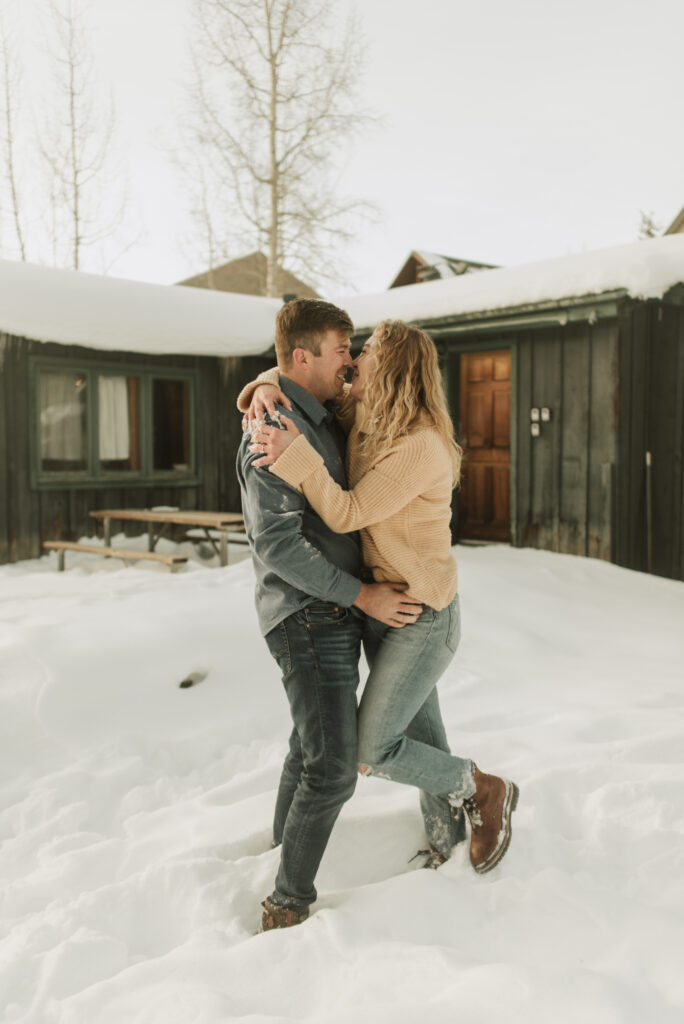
x=509, y=132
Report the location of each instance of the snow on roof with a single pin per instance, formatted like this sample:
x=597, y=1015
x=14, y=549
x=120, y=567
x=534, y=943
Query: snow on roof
x=643, y=270
x=447, y=266
x=73, y=308
x=433, y=259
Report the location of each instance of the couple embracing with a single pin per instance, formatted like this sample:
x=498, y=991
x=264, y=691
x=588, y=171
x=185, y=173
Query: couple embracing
x=346, y=495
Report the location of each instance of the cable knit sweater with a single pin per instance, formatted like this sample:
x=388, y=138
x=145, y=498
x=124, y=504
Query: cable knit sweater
x=401, y=504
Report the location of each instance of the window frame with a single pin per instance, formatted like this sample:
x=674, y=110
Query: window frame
x=94, y=476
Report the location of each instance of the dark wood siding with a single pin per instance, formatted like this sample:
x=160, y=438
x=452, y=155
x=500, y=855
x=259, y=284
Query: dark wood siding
x=678, y=493
x=602, y=446
x=4, y=468
x=651, y=420
x=544, y=451
x=522, y=385
x=664, y=436
x=574, y=431
x=564, y=490
x=23, y=511
x=630, y=518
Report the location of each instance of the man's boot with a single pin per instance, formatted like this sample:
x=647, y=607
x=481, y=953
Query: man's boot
x=276, y=916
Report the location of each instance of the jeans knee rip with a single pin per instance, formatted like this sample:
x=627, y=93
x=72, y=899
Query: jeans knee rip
x=463, y=791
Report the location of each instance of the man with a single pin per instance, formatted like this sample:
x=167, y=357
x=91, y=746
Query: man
x=310, y=602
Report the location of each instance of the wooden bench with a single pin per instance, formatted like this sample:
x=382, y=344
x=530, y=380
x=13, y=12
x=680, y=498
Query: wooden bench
x=220, y=521
x=61, y=546
x=216, y=537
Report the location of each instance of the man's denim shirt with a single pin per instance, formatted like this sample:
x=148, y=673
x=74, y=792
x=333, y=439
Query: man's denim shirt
x=296, y=556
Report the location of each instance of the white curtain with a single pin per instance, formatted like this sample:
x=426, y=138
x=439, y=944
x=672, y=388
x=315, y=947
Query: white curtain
x=115, y=435
x=62, y=416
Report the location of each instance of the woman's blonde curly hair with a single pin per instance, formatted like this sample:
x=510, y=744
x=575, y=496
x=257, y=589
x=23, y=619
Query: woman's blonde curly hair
x=405, y=384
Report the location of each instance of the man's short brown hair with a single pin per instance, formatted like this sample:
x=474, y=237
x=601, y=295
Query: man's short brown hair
x=302, y=324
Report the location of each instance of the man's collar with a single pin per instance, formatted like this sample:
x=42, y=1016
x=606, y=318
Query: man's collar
x=309, y=405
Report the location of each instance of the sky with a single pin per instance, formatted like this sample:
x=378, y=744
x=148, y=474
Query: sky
x=506, y=133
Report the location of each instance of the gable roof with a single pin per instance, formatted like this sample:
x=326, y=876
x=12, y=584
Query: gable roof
x=247, y=276
x=677, y=224
x=422, y=265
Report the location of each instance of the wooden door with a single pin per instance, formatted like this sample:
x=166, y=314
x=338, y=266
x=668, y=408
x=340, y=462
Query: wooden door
x=484, y=501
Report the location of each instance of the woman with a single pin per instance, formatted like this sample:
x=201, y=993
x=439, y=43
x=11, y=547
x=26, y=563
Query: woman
x=402, y=464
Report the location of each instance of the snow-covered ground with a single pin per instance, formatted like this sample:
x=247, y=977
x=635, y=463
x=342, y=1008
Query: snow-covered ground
x=135, y=815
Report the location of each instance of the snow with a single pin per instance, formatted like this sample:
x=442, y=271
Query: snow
x=644, y=270
x=135, y=815
x=444, y=264
x=433, y=259
x=73, y=308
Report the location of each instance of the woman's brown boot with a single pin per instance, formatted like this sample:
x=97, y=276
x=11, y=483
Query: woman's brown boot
x=489, y=810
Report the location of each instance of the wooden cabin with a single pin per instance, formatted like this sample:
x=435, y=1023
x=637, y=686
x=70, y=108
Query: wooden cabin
x=117, y=394
x=566, y=383
x=565, y=379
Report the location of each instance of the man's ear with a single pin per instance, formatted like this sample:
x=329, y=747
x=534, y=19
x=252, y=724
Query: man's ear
x=301, y=357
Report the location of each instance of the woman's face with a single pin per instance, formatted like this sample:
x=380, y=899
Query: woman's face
x=364, y=365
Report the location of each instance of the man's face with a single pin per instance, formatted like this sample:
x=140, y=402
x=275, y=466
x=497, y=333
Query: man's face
x=327, y=371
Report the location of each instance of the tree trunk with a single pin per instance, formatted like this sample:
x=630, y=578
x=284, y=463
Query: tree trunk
x=272, y=259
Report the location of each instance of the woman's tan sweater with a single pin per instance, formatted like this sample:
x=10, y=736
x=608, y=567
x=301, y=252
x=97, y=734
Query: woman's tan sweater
x=400, y=503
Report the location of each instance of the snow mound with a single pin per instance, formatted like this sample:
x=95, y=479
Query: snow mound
x=135, y=815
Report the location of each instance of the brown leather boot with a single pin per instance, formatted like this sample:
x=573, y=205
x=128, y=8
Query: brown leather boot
x=275, y=916
x=489, y=810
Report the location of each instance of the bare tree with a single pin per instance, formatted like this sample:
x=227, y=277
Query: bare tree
x=87, y=206
x=274, y=109
x=647, y=225
x=201, y=187
x=10, y=86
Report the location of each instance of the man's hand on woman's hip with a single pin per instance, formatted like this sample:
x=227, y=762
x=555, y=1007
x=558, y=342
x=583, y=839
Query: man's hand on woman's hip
x=388, y=603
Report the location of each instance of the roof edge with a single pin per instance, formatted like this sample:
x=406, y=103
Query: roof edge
x=584, y=307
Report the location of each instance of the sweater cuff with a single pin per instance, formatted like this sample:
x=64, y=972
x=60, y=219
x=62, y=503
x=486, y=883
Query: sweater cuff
x=297, y=462
x=271, y=376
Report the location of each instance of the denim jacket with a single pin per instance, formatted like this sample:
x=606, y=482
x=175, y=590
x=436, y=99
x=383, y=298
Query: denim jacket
x=296, y=556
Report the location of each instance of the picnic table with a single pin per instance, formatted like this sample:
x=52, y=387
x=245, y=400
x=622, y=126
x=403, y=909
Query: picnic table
x=211, y=523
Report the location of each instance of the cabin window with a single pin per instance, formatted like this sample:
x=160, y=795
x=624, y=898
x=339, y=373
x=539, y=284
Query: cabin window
x=171, y=424
x=63, y=422
x=119, y=423
x=112, y=424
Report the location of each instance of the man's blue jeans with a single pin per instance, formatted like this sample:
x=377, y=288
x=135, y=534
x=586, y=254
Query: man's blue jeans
x=317, y=650
x=401, y=733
